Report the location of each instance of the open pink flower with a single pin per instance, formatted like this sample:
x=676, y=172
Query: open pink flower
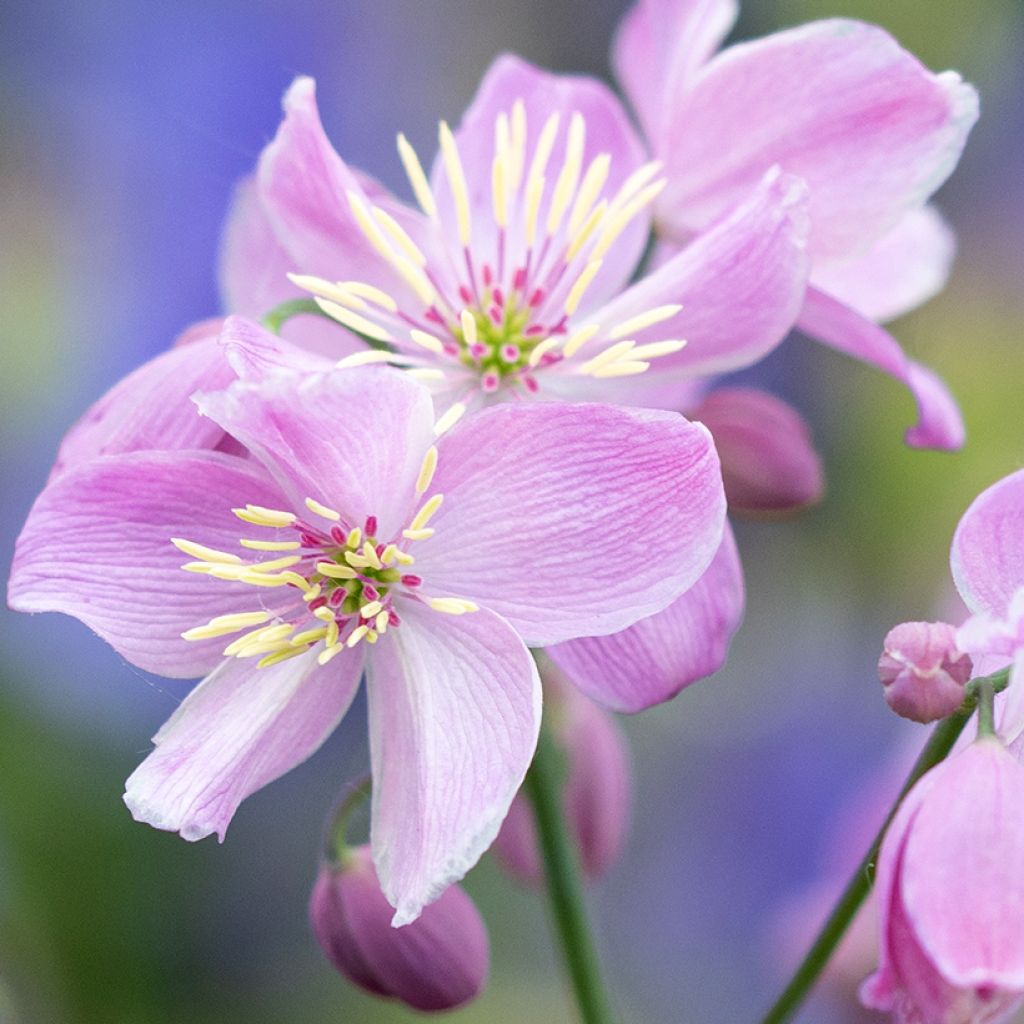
x=839, y=104
x=950, y=889
x=372, y=545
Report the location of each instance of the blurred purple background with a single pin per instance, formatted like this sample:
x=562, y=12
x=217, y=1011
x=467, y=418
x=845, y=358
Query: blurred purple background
x=125, y=126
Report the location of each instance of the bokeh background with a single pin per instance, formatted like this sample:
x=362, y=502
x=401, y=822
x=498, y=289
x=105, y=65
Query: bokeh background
x=125, y=125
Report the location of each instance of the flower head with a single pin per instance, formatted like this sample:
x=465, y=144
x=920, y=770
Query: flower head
x=348, y=537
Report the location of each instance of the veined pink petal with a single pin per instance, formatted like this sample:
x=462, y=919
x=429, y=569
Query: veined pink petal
x=543, y=93
x=239, y=729
x=255, y=354
x=769, y=463
x=740, y=284
x=352, y=439
x=837, y=102
x=655, y=658
x=660, y=46
x=303, y=188
x=987, y=557
x=939, y=422
x=151, y=407
x=97, y=545
x=573, y=520
x=454, y=716
x=903, y=269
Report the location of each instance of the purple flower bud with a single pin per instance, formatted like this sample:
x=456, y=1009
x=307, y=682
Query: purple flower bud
x=438, y=962
x=597, y=789
x=923, y=671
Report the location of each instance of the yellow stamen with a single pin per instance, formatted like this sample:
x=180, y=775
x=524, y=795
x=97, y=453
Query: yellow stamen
x=258, y=637
x=323, y=511
x=313, y=593
x=219, y=570
x=634, y=183
x=657, y=348
x=201, y=551
x=468, y=322
x=371, y=636
x=221, y=625
x=583, y=235
x=370, y=554
x=426, y=373
x=381, y=622
x=583, y=282
x=260, y=516
x=277, y=563
x=356, y=635
x=259, y=579
x=270, y=545
x=579, y=338
x=404, y=558
x=427, y=468
x=610, y=355
x=542, y=349
x=370, y=609
x=418, y=180
x=517, y=151
x=318, y=286
x=367, y=358
x=282, y=655
x=335, y=571
x=387, y=556
x=331, y=652
x=449, y=419
x=355, y=537
x=593, y=182
x=368, y=291
x=309, y=636
x=332, y=633
x=399, y=236
x=426, y=512
x=418, y=534
x=618, y=221
x=570, y=174
x=621, y=369
x=427, y=341
x=541, y=155
x=635, y=324
x=457, y=179
x=352, y=320
x=356, y=560
x=452, y=605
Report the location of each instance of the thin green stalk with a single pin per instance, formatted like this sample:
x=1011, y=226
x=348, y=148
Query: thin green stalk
x=986, y=708
x=280, y=315
x=939, y=744
x=565, y=889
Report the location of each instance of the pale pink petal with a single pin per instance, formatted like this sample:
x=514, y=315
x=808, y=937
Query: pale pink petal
x=239, y=729
x=97, y=545
x=454, y=716
x=902, y=270
x=659, y=47
x=939, y=423
x=839, y=103
x=655, y=658
x=769, y=463
x=303, y=188
x=987, y=557
x=255, y=354
x=151, y=408
x=544, y=93
x=351, y=439
x=740, y=284
x=970, y=842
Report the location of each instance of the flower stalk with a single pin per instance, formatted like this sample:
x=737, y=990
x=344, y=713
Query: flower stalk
x=565, y=889
x=939, y=744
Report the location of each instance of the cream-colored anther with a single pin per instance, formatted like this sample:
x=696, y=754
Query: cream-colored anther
x=584, y=234
x=569, y=177
x=580, y=286
x=427, y=341
x=418, y=180
x=452, y=605
x=270, y=545
x=452, y=416
x=469, y=331
x=423, y=534
x=457, y=180
x=201, y=551
x=367, y=358
x=426, y=512
x=642, y=321
x=399, y=236
x=542, y=348
x=616, y=222
x=589, y=190
x=621, y=369
x=336, y=571
x=427, y=469
x=656, y=349
x=323, y=511
x=352, y=320
x=369, y=291
x=260, y=516
x=609, y=355
x=221, y=625
x=579, y=338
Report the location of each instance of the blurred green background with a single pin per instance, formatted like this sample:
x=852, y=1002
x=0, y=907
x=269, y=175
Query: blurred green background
x=125, y=126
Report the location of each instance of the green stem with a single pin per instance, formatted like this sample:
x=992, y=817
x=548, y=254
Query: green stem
x=986, y=708
x=276, y=318
x=565, y=889
x=939, y=744
x=337, y=840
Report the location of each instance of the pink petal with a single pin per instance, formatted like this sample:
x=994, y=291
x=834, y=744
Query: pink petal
x=939, y=424
x=151, y=408
x=239, y=729
x=837, y=102
x=303, y=186
x=573, y=520
x=655, y=658
x=769, y=463
x=902, y=270
x=97, y=545
x=740, y=284
x=987, y=557
x=543, y=93
x=454, y=716
x=352, y=439
x=659, y=48
x=253, y=273
x=255, y=354
x=970, y=842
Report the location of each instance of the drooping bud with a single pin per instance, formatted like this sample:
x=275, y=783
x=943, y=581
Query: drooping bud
x=923, y=671
x=769, y=463
x=950, y=887
x=438, y=962
x=596, y=795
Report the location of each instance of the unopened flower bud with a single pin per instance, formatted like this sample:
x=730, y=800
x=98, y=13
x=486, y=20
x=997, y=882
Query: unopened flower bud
x=437, y=962
x=923, y=671
x=597, y=788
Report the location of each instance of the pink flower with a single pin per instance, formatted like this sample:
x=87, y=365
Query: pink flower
x=987, y=561
x=840, y=105
x=923, y=670
x=369, y=547
x=950, y=890
x=438, y=962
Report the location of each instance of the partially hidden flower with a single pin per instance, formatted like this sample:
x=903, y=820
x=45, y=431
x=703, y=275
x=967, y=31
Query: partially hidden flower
x=346, y=536
x=950, y=888
x=596, y=791
x=923, y=671
x=841, y=105
x=438, y=962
